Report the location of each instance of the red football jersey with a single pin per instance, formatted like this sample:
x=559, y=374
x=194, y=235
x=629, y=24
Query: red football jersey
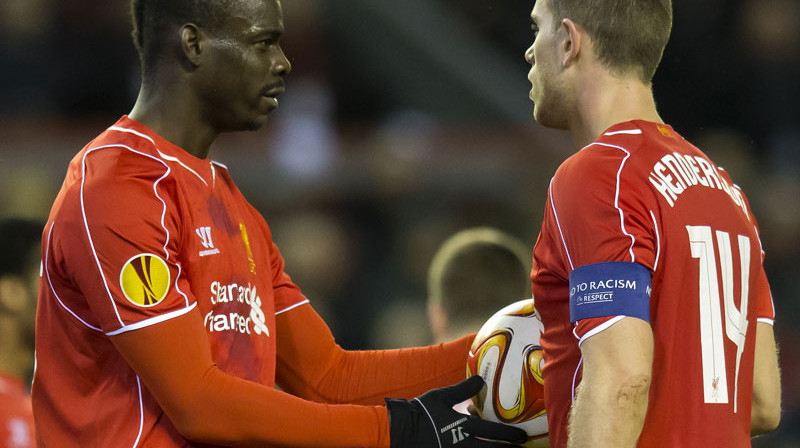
x=142, y=232
x=641, y=193
x=16, y=417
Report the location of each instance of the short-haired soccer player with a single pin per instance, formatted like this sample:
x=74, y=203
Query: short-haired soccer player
x=166, y=317
x=648, y=270
x=475, y=272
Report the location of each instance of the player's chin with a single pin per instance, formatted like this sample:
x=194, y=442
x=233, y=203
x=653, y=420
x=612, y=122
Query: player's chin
x=254, y=121
x=544, y=117
x=539, y=116
x=257, y=116
x=257, y=123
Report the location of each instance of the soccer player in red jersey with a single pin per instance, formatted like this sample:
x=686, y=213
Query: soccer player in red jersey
x=19, y=274
x=648, y=270
x=166, y=317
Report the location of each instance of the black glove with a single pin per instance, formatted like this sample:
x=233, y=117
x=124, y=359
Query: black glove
x=429, y=421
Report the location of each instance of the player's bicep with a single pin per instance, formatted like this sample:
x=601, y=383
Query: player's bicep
x=621, y=354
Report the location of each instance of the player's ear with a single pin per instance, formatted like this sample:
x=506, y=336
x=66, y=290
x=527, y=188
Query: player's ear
x=572, y=42
x=192, y=42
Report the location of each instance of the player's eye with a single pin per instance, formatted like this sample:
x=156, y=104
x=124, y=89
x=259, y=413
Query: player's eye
x=267, y=40
x=264, y=46
x=535, y=29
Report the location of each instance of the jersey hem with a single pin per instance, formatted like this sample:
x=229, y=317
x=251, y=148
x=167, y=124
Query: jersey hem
x=291, y=307
x=598, y=329
x=152, y=320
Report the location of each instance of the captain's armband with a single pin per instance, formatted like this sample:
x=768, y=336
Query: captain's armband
x=609, y=289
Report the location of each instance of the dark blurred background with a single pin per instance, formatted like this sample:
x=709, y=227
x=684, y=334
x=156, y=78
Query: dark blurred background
x=404, y=122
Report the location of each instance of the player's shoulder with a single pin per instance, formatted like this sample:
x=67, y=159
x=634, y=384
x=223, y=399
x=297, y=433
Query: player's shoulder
x=603, y=155
x=122, y=164
x=623, y=140
x=624, y=145
x=118, y=150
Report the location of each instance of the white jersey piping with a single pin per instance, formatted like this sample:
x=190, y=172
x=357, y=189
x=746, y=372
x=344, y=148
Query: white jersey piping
x=53, y=289
x=624, y=131
x=141, y=412
x=597, y=329
x=291, y=307
x=658, y=241
x=152, y=321
x=164, y=156
x=558, y=224
x=616, y=196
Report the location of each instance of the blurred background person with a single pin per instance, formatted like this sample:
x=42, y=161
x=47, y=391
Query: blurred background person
x=475, y=273
x=19, y=279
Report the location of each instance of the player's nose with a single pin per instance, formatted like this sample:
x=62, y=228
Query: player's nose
x=281, y=65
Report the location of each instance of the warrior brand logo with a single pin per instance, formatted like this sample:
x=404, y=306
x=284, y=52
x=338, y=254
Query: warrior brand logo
x=145, y=280
x=205, y=238
x=456, y=431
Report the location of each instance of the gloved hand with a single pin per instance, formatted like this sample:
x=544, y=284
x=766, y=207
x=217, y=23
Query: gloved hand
x=429, y=421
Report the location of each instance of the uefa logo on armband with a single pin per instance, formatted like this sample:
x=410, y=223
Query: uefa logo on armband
x=145, y=280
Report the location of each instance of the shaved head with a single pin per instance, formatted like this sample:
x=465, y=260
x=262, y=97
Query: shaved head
x=154, y=21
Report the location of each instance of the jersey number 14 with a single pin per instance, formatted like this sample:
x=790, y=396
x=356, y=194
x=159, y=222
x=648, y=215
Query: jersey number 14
x=715, y=379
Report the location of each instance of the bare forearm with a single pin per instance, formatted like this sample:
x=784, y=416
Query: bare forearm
x=609, y=414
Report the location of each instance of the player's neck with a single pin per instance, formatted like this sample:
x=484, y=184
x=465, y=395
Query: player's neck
x=176, y=118
x=609, y=100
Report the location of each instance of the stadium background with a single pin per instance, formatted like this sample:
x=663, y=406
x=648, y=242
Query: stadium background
x=404, y=122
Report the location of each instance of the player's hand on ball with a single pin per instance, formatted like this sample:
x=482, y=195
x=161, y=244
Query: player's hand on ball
x=429, y=421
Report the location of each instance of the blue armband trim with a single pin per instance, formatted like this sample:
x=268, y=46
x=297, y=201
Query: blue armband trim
x=616, y=288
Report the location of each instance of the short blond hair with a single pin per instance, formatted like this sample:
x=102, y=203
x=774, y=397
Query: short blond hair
x=478, y=271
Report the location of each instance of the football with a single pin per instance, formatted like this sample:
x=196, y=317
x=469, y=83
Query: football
x=507, y=354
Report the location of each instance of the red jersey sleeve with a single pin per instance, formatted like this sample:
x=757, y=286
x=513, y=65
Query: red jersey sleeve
x=311, y=365
x=765, y=311
x=121, y=240
x=601, y=215
x=209, y=406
